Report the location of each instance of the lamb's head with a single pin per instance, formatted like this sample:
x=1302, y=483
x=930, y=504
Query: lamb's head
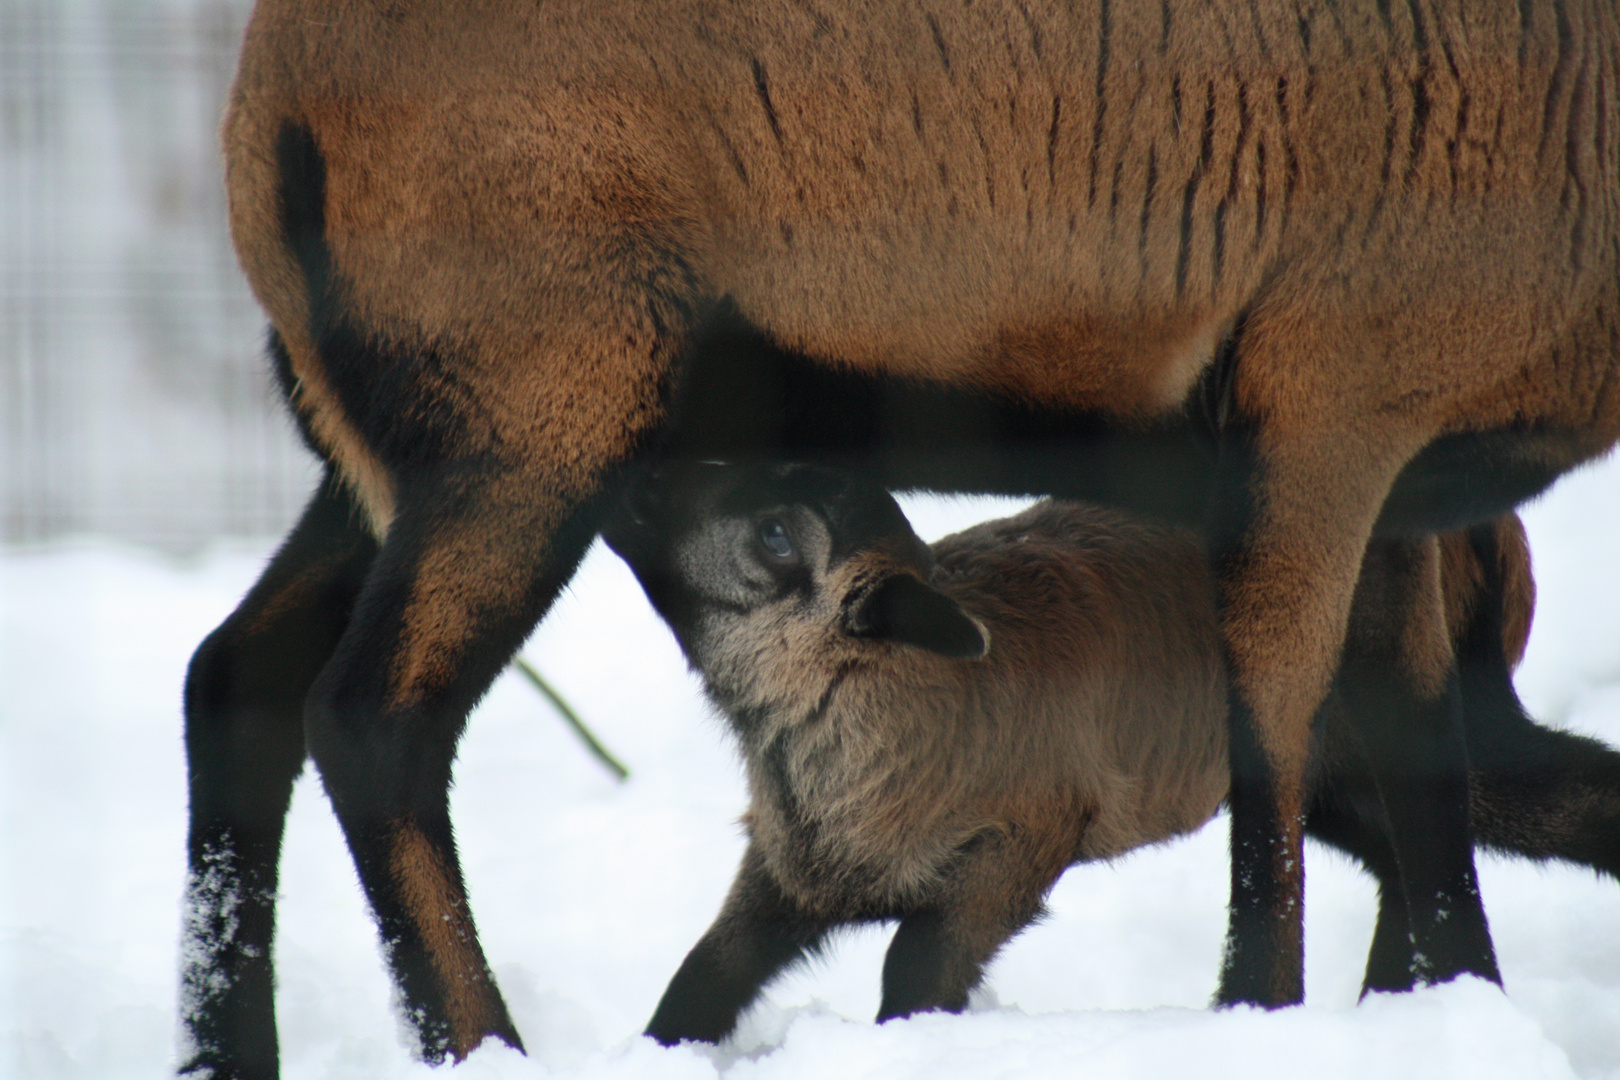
x=775, y=568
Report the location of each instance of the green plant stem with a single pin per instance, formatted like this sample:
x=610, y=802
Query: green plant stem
x=597, y=750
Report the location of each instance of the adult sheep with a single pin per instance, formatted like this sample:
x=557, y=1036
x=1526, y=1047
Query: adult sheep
x=1378, y=242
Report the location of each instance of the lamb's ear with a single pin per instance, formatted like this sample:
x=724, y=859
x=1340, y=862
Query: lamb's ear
x=904, y=608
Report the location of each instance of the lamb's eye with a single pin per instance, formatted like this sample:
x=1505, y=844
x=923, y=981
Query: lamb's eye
x=774, y=535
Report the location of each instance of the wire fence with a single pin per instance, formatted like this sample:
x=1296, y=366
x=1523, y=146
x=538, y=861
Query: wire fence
x=135, y=400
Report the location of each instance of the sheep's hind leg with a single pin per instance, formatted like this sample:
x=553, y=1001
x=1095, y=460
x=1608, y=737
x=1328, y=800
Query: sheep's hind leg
x=1400, y=687
x=1347, y=810
x=1347, y=813
x=244, y=706
x=758, y=933
x=1535, y=791
x=475, y=555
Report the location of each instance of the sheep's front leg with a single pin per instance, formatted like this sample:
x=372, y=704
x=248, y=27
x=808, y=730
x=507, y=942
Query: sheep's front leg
x=939, y=952
x=1293, y=508
x=758, y=933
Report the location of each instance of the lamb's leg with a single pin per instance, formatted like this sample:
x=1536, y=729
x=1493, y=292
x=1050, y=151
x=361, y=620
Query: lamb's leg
x=473, y=558
x=1543, y=793
x=244, y=707
x=758, y=933
x=939, y=952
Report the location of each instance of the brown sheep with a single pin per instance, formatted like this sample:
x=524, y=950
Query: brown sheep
x=1366, y=254
x=934, y=734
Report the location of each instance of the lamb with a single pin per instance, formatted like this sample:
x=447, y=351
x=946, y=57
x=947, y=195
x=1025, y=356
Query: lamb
x=1366, y=255
x=934, y=734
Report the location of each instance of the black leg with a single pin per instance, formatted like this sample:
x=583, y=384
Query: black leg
x=1405, y=704
x=244, y=704
x=758, y=934
x=917, y=969
x=1546, y=794
x=1291, y=511
x=1263, y=962
x=1347, y=812
x=1390, y=961
x=471, y=561
x=996, y=889
x=1536, y=792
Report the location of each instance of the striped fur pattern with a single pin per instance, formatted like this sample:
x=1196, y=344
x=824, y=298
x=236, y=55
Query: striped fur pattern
x=1365, y=253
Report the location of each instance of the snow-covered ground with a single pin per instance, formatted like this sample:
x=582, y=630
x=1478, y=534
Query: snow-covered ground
x=588, y=893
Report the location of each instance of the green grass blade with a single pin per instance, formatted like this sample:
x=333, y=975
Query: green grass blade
x=592, y=744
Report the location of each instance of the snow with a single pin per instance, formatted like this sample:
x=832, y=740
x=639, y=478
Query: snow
x=588, y=892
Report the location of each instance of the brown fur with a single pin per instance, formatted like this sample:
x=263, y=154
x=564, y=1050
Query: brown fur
x=434, y=902
x=1463, y=580
x=1100, y=703
x=902, y=188
x=1400, y=222
x=1399, y=608
x=888, y=781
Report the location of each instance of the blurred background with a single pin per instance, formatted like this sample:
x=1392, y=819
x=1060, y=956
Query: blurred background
x=135, y=400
